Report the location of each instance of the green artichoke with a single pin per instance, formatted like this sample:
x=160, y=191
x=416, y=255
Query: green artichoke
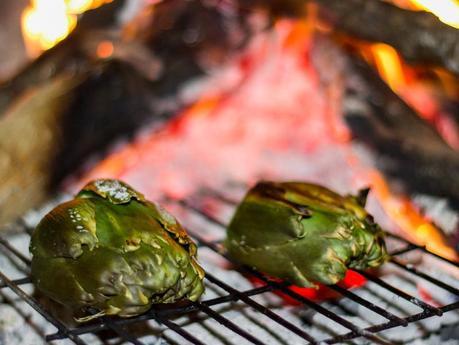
x=112, y=250
x=304, y=233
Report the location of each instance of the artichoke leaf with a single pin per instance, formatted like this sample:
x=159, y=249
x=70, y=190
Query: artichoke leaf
x=304, y=233
x=112, y=250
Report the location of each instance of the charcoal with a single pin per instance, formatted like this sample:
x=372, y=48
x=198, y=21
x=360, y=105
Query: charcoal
x=112, y=90
x=73, y=106
x=419, y=36
x=406, y=148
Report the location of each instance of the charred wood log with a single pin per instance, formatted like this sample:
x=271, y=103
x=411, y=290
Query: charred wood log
x=73, y=55
x=419, y=36
x=70, y=104
x=406, y=147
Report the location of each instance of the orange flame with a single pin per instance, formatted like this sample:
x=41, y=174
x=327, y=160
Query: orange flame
x=46, y=22
x=408, y=218
x=417, y=92
x=389, y=65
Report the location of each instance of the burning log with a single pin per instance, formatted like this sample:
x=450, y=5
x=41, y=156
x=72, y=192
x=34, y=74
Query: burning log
x=93, y=88
x=407, y=148
x=53, y=128
x=419, y=36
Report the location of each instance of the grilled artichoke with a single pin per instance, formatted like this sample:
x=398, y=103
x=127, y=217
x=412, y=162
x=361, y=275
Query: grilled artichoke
x=114, y=251
x=304, y=233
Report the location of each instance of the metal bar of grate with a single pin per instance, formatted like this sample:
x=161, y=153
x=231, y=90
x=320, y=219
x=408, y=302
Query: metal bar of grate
x=412, y=299
x=433, y=280
x=369, y=305
x=179, y=330
x=283, y=288
x=423, y=249
x=227, y=323
x=290, y=326
x=24, y=314
x=391, y=324
x=119, y=325
x=21, y=281
x=14, y=251
x=428, y=310
x=35, y=305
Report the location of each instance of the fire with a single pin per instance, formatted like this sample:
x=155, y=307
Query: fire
x=446, y=10
x=407, y=217
x=405, y=82
x=47, y=22
x=251, y=121
x=389, y=65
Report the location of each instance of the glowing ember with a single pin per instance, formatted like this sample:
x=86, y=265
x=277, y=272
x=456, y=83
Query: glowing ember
x=403, y=212
x=105, y=49
x=248, y=118
x=446, y=10
x=350, y=281
x=402, y=79
x=47, y=22
x=263, y=116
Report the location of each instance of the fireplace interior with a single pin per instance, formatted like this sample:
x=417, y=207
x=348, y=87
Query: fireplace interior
x=193, y=102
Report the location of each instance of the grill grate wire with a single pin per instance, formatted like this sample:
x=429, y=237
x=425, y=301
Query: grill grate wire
x=163, y=317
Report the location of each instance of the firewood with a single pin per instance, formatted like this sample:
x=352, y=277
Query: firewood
x=420, y=37
x=406, y=148
x=70, y=104
x=29, y=138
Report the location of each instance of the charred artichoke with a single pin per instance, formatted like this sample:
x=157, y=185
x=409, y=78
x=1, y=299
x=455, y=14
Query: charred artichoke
x=114, y=251
x=304, y=233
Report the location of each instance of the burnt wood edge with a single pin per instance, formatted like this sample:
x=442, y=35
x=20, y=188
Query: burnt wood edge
x=405, y=147
x=420, y=37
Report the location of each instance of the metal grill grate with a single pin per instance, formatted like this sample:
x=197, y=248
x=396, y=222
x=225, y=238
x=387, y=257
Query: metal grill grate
x=231, y=294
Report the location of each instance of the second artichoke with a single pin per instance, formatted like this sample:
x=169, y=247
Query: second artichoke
x=304, y=233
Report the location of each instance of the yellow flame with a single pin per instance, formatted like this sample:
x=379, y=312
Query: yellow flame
x=46, y=22
x=446, y=10
x=387, y=59
x=389, y=65
x=408, y=218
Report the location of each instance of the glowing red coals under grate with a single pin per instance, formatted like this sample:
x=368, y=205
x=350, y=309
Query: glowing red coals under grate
x=351, y=280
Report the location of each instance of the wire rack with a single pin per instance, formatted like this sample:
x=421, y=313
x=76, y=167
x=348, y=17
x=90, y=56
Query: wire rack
x=166, y=317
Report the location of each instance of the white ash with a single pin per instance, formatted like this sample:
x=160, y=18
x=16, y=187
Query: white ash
x=439, y=211
x=435, y=330
x=113, y=188
x=14, y=330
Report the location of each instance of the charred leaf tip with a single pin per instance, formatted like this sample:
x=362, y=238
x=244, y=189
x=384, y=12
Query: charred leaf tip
x=362, y=196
